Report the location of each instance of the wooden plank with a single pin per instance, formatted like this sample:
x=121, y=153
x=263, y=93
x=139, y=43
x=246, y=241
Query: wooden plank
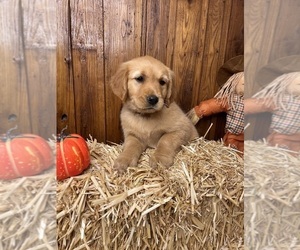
x=42, y=90
x=260, y=125
x=188, y=50
x=235, y=37
x=123, y=41
x=255, y=13
x=285, y=41
x=64, y=88
x=210, y=62
x=14, y=89
x=88, y=67
x=219, y=120
x=260, y=25
x=171, y=36
x=232, y=44
x=40, y=54
x=158, y=32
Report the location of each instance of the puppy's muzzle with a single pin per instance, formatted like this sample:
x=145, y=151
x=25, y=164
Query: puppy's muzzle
x=152, y=99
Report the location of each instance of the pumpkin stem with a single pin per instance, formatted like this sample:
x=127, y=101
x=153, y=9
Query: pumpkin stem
x=62, y=134
x=10, y=130
x=7, y=136
x=63, y=130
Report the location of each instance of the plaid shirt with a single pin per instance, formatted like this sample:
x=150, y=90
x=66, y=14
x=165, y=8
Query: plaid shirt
x=287, y=121
x=235, y=117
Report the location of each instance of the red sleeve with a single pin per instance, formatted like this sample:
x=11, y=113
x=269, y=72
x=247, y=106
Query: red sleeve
x=209, y=107
x=253, y=106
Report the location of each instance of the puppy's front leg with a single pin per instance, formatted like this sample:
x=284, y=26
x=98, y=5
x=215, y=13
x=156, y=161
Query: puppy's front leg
x=133, y=148
x=167, y=147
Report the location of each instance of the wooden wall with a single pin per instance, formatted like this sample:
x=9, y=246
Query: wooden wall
x=28, y=66
x=194, y=38
x=272, y=31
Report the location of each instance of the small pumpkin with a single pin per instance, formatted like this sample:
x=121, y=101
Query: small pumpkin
x=23, y=155
x=72, y=155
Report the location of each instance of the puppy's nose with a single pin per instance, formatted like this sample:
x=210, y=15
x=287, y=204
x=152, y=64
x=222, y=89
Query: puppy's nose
x=152, y=99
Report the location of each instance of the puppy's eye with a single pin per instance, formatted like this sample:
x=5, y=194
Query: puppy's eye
x=140, y=79
x=162, y=82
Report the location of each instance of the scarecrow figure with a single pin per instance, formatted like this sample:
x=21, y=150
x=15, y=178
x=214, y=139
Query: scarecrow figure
x=281, y=97
x=229, y=99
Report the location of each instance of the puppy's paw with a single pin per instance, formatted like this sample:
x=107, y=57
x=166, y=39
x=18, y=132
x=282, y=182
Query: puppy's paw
x=164, y=160
x=122, y=163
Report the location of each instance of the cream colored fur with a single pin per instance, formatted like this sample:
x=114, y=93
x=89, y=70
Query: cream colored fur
x=163, y=126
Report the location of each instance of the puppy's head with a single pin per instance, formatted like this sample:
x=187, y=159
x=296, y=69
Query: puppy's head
x=144, y=84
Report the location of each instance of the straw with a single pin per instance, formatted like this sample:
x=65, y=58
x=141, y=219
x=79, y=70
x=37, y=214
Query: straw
x=272, y=197
x=27, y=212
x=195, y=204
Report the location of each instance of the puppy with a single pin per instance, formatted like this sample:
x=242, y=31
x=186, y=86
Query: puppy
x=149, y=117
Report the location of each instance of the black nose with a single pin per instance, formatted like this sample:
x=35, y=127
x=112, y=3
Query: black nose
x=152, y=99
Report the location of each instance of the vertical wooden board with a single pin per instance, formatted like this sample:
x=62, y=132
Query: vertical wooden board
x=88, y=68
x=40, y=55
x=286, y=38
x=158, y=32
x=64, y=89
x=228, y=21
x=171, y=35
x=211, y=63
x=235, y=38
x=260, y=26
x=253, y=17
x=42, y=91
x=273, y=9
x=260, y=126
x=255, y=14
x=191, y=23
x=123, y=24
x=40, y=23
x=14, y=92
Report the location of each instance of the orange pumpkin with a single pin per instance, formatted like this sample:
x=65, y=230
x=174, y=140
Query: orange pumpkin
x=72, y=155
x=24, y=155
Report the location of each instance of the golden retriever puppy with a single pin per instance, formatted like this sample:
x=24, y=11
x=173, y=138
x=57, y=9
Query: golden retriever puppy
x=149, y=116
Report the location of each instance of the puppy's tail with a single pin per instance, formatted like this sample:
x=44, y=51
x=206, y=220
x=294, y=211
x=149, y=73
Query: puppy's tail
x=193, y=116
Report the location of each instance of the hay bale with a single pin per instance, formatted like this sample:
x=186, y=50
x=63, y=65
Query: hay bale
x=27, y=212
x=195, y=204
x=272, y=197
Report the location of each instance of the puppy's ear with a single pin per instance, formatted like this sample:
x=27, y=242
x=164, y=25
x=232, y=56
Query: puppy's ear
x=171, y=89
x=118, y=82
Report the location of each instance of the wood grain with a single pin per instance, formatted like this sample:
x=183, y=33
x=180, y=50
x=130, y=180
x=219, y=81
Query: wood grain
x=122, y=41
x=88, y=68
x=193, y=38
x=267, y=30
x=211, y=63
x=40, y=54
x=65, y=84
x=14, y=95
x=285, y=41
x=235, y=37
x=158, y=33
x=93, y=37
x=189, y=50
x=27, y=49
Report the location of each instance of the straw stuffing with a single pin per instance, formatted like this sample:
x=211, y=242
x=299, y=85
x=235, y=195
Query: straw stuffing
x=272, y=197
x=195, y=204
x=27, y=212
